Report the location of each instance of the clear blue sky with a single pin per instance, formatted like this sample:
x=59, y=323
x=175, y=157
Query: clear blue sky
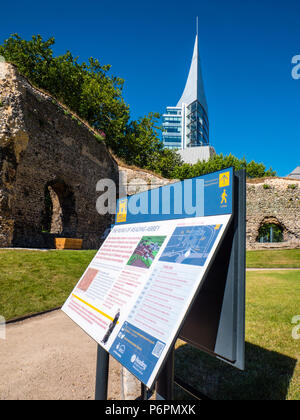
x=246, y=49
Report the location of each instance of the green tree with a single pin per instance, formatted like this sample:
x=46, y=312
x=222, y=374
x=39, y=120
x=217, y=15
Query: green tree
x=168, y=160
x=258, y=170
x=142, y=146
x=219, y=162
x=85, y=88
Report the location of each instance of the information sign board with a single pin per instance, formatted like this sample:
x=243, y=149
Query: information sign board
x=135, y=295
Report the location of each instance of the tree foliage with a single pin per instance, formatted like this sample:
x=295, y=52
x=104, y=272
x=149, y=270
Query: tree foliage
x=219, y=162
x=85, y=88
x=143, y=148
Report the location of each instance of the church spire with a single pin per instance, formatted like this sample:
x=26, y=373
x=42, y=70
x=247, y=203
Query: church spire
x=194, y=88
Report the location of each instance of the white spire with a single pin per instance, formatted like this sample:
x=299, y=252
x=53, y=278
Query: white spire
x=194, y=89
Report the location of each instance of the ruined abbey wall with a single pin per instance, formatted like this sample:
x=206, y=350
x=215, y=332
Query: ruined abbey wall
x=273, y=200
x=50, y=162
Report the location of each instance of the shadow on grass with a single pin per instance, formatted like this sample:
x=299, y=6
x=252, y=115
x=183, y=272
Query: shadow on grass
x=267, y=375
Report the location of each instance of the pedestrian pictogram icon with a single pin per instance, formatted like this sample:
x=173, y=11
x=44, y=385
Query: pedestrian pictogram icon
x=224, y=197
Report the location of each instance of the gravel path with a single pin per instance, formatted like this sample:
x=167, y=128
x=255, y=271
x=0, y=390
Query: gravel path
x=50, y=357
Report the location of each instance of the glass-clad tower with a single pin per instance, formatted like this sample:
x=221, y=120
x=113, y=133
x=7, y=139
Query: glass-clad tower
x=197, y=126
x=172, y=128
x=186, y=125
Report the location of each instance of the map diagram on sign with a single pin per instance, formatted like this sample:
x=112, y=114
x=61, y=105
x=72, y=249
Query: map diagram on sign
x=146, y=251
x=190, y=245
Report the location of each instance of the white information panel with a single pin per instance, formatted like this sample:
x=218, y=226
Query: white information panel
x=136, y=292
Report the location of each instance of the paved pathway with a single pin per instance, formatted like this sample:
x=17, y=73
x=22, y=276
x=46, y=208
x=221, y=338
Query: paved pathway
x=50, y=357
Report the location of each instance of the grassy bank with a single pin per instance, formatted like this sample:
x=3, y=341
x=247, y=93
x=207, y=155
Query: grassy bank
x=272, y=354
x=35, y=281
x=281, y=258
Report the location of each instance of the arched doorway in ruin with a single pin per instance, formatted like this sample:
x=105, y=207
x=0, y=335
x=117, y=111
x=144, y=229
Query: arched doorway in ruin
x=59, y=216
x=270, y=231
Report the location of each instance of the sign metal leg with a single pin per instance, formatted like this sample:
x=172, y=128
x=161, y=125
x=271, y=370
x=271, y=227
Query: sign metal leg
x=101, y=374
x=144, y=392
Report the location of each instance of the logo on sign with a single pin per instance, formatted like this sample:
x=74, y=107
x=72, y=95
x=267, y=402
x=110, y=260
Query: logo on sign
x=122, y=213
x=138, y=362
x=121, y=348
x=224, y=179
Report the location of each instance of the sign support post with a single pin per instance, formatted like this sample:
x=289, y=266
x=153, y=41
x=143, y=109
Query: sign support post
x=101, y=374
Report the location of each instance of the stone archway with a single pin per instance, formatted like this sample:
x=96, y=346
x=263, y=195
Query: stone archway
x=270, y=231
x=59, y=215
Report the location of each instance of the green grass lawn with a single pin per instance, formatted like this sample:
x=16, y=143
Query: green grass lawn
x=272, y=355
x=34, y=281
x=285, y=258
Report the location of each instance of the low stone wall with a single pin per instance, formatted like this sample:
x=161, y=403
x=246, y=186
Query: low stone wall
x=273, y=200
x=134, y=181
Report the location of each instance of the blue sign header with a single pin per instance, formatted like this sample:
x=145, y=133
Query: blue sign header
x=207, y=195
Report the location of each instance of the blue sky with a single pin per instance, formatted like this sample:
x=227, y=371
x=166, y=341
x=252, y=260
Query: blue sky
x=246, y=49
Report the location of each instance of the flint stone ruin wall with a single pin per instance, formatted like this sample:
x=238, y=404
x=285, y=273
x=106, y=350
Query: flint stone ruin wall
x=273, y=200
x=47, y=154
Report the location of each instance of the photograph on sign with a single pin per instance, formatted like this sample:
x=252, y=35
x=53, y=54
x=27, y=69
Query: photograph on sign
x=135, y=293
